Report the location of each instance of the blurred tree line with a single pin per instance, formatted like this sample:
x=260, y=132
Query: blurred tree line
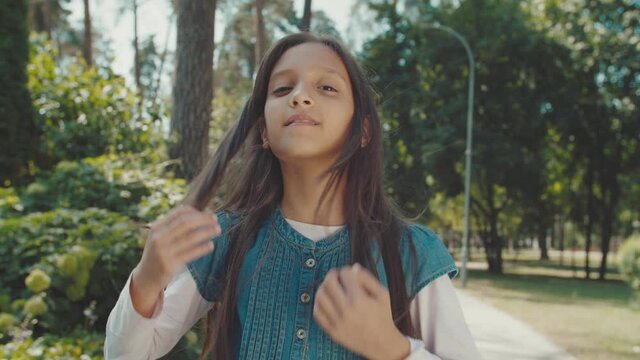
x=555, y=160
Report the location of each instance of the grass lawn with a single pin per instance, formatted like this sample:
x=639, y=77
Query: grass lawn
x=591, y=319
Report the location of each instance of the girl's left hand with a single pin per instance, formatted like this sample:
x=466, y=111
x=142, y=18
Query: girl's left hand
x=355, y=310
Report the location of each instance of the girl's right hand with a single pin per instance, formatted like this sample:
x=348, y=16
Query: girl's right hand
x=183, y=235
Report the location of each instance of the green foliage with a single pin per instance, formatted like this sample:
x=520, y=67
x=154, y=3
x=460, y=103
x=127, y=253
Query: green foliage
x=554, y=97
x=127, y=184
x=6, y=322
x=35, y=306
x=82, y=112
x=226, y=110
x=37, y=281
x=10, y=204
x=143, y=181
x=78, y=345
x=78, y=185
x=87, y=254
x=629, y=261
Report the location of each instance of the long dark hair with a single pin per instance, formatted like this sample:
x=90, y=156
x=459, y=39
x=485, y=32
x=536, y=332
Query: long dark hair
x=257, y=190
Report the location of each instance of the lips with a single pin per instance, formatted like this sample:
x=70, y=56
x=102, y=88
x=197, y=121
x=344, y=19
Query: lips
x=301, y=119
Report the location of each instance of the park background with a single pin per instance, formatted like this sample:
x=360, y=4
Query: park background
x=98, y=136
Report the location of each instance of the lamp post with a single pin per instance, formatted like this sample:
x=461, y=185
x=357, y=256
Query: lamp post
x=467, y=174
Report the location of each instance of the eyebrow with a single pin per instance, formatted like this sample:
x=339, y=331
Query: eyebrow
x=321, y=68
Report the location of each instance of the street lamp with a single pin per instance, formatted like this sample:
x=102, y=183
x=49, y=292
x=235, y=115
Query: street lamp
x=467, y=175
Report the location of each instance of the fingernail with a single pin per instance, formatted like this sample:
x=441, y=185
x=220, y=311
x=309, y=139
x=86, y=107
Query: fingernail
x=356, y=266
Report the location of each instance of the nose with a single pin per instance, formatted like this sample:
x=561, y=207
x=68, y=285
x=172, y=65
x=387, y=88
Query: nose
x=300, y=97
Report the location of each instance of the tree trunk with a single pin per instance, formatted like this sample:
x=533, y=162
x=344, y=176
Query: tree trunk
x=163, y=57
x=87, y=51
x=610, y=196
x=607, y=228
x=18, y=129
x=589, y=218
x=494, y=254
x=259, y=47
x=213, y=47
x=542, y=241
x=136, y=53
x=489, y=212
x=193, y=87
x=559, y=236
x=306, y=17
x=554, y=239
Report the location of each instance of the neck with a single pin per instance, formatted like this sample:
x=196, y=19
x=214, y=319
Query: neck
x=303, y=187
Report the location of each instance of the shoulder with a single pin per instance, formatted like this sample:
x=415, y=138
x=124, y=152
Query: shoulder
x=425, y=257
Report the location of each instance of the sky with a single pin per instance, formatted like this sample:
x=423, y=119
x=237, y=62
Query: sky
x=154, y=19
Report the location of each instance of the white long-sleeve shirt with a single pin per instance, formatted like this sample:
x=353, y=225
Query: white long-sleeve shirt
x=435, y=313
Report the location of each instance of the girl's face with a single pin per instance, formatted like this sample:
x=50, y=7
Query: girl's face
x=309, y=106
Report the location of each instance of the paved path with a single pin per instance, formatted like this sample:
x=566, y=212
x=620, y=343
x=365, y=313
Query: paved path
x=499, y=336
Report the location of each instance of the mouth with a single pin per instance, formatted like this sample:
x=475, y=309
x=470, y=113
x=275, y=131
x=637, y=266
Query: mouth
x=300, y=119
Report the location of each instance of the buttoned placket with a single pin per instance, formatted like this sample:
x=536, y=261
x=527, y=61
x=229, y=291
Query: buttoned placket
x=304, y=310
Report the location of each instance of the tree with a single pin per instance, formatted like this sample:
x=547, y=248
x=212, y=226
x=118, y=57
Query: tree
x=260, y=37
x=47, y=16
x=424, y=77
x=17, y=125
x=603, y=41
x=305, y=25
x=136, y=50
x=193, y=88
x=87, y=48
x=82, y=112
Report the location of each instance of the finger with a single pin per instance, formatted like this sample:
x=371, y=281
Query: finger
x=159, y=226
x=177, y=212
x=194, y=238
x=196, y=252
x=335, y=292
x=349, y=279
x=368, y=282
x=322, y=319
x=168, y=217
x=183, y=221
x=323, y=305
x=178, y=230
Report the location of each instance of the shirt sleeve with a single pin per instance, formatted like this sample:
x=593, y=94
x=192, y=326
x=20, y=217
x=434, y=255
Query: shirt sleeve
x=130, y=335
x=440, y=325
x=425, y=258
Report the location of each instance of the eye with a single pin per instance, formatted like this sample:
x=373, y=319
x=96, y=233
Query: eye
x=328, y=88
x=281, y=90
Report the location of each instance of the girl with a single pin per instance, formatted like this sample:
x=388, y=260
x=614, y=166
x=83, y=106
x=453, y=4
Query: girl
x=306, y=258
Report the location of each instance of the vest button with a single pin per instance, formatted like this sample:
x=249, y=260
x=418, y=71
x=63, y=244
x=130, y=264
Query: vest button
x=305, y=297
x=301, y=334
x=310, y=262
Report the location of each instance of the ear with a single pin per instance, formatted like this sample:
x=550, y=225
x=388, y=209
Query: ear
x=366, y=132
x=263, y=133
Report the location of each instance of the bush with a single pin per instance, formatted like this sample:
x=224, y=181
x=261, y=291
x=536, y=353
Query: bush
x=80, y=185
x=83, y=111
x=10, y=204
x=127, y=184
x=82, y=256
x=78, y=345
x=629, y=261
x=142, y=178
